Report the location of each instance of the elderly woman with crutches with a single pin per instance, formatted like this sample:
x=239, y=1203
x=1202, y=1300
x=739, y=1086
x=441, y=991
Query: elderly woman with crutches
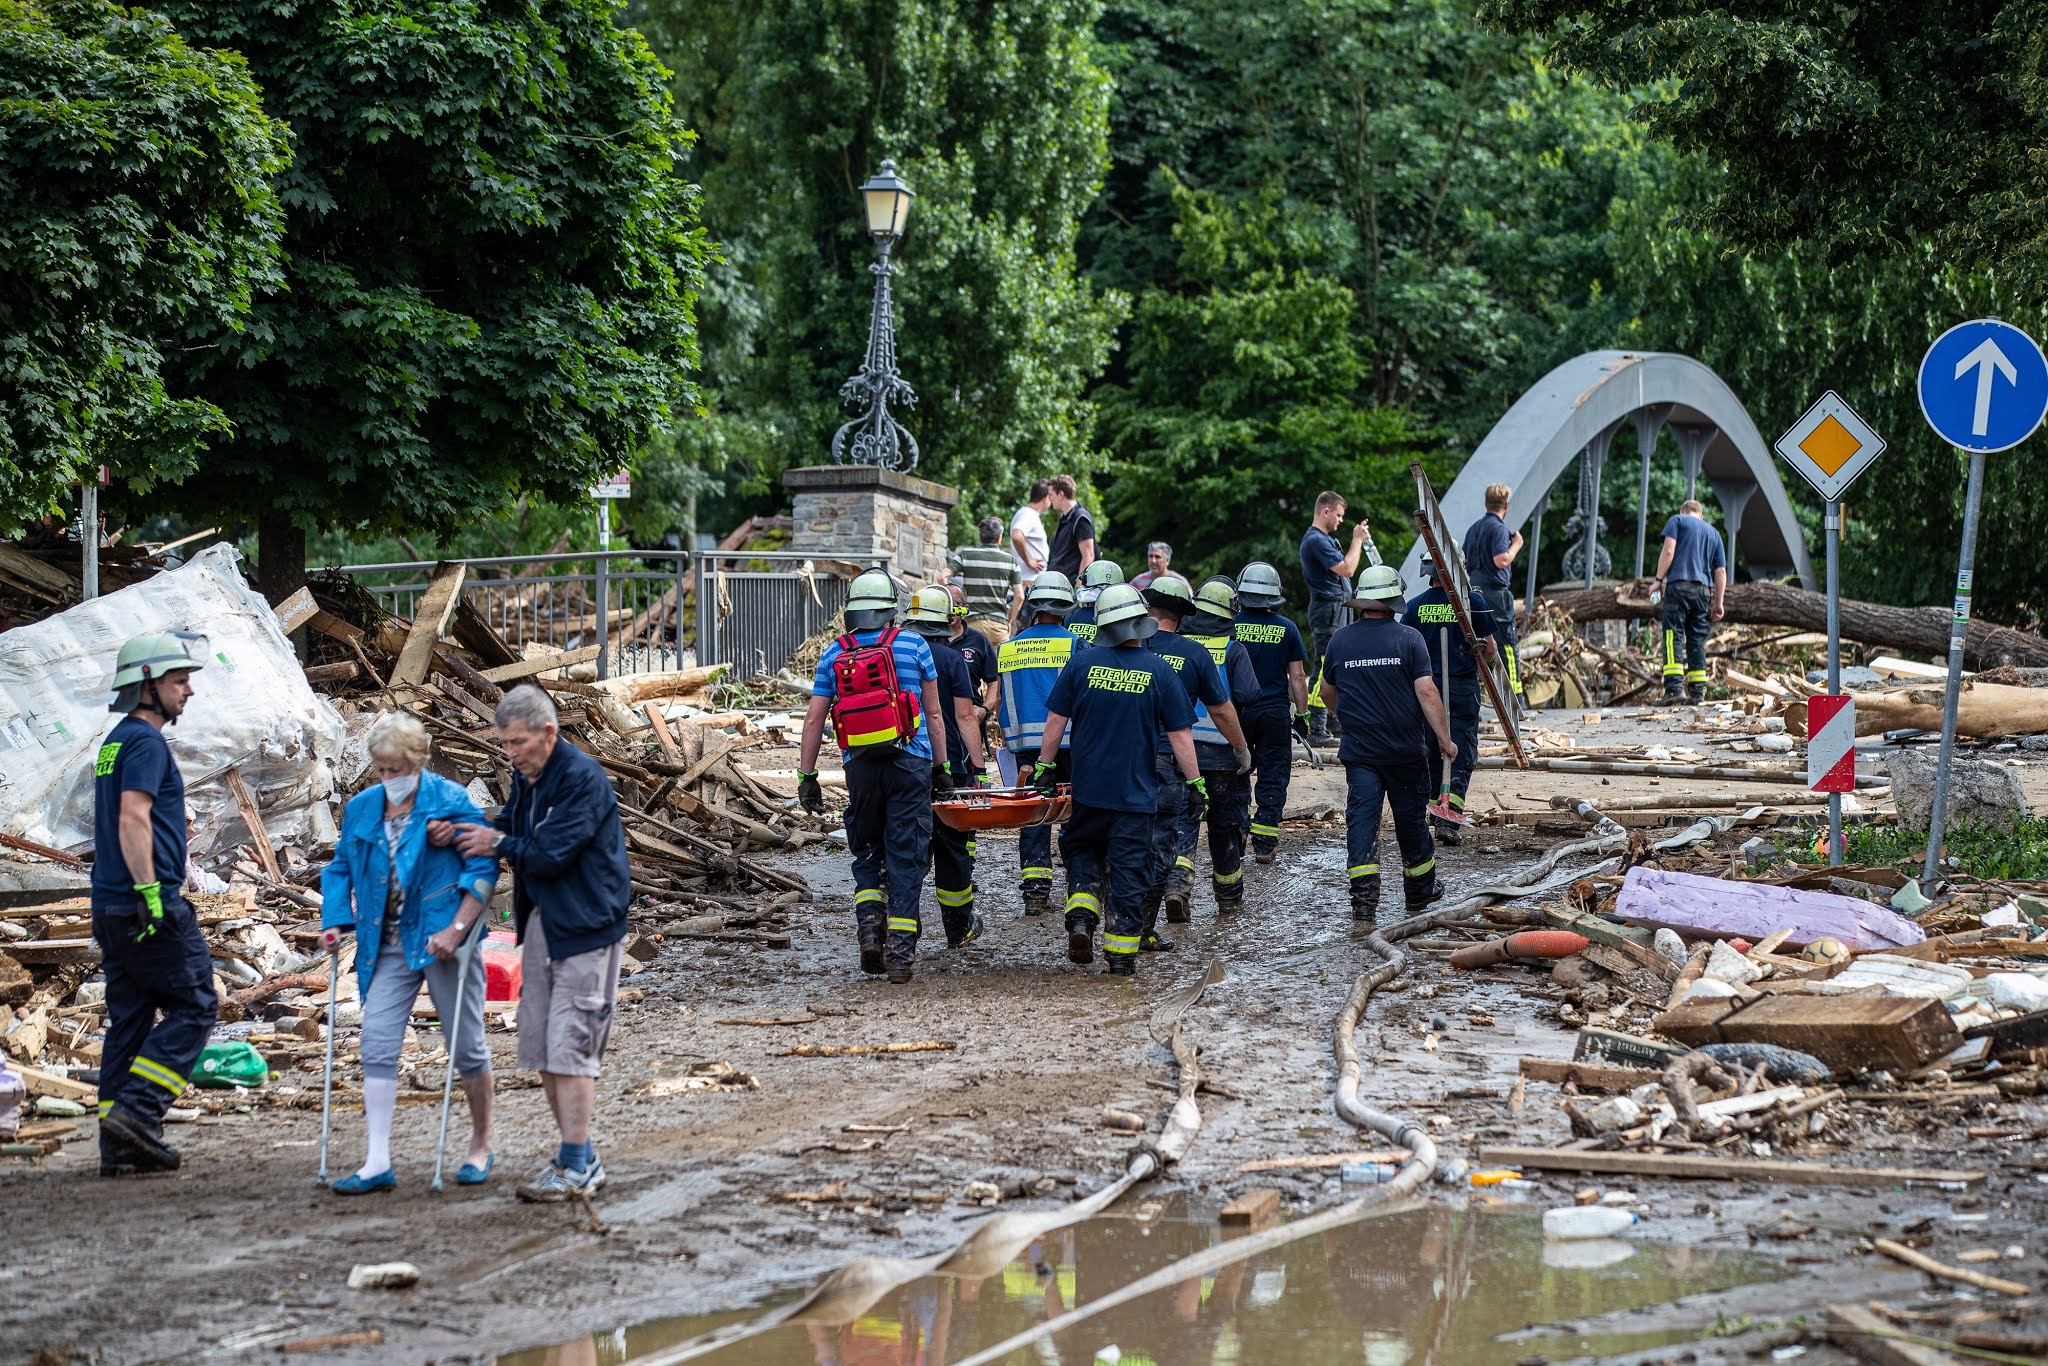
x=414, y=909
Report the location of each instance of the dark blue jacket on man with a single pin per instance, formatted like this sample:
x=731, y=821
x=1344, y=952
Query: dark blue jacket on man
x=567, y=849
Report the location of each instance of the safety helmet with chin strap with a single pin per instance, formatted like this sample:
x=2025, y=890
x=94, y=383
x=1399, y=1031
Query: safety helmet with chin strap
x=145, y=660
x=1099, y=575
x=931, y=612
x=1259, y=586
x=1379, y=585
x=1215, y=606
x=1121, y=616
x=1170, y=595
x=1052, y=592
x=871, y=601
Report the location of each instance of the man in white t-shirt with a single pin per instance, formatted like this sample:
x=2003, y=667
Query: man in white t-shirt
x=1027, y=531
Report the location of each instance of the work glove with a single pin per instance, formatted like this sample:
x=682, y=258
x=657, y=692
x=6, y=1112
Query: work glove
x=982, y=778
x=942, y=782
x=1198, y=798
x=1244, y=759
x=1301, y=724
x=809, y=795
x=152, y=894
x=1046, y=778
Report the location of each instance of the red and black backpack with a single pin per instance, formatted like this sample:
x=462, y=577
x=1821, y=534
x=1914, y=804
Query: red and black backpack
x=871, y=712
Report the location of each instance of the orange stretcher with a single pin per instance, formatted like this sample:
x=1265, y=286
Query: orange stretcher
x=1003, y=808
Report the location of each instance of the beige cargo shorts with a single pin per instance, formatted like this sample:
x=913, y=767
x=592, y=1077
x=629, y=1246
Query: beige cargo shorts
x=565, y=1008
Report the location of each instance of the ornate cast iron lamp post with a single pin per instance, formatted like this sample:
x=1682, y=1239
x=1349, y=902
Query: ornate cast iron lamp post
x=876, y=437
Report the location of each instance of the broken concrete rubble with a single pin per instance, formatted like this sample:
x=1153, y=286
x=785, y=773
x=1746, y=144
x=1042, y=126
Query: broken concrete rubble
x=1978, y=790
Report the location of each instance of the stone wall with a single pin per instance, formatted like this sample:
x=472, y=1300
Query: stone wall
x=863, y=514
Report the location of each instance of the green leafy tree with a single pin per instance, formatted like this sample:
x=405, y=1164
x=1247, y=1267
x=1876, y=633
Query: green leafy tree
x=135, y=206
x=995, y=113
x=1864, y=130
x=492, y=257
x=1246, y=394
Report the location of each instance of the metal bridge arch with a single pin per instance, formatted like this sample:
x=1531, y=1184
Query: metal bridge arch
x=1573, y=414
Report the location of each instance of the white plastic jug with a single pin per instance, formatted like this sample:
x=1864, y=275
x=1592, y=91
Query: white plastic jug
x=1586, y=1221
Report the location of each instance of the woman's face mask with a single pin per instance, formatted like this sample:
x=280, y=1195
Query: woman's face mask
x=398, y=791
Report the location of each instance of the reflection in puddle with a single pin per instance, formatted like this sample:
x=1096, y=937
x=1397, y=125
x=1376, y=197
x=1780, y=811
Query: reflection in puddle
x=1427, y=1285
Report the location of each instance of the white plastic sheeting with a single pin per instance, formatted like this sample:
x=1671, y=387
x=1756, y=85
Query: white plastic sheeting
x=252, y=710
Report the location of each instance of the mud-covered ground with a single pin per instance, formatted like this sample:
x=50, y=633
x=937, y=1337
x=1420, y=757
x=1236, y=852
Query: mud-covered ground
x=241, y=1251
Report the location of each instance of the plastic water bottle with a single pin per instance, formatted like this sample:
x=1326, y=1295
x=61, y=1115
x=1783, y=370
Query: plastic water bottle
x=1586, y=1221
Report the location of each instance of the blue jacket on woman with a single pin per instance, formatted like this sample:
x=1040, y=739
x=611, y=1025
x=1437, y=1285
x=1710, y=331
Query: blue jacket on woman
x=567, y=849
x=356, y=884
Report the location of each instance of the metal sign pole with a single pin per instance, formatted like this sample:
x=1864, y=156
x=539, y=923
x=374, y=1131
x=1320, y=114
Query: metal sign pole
x=604, y=545
x=89, y=536
x=1958, y=630
x=1834, y=531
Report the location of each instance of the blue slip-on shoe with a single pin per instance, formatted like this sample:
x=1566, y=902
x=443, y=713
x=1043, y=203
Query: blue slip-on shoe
x=469, y=1174
x=357, y=1184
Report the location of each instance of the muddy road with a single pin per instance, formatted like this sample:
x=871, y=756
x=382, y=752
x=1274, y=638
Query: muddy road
x=722, y=1199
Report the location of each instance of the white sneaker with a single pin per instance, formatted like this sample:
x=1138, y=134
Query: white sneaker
x=558, y=1183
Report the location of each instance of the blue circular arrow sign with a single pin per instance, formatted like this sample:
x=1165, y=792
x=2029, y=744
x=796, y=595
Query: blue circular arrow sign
x=1984, y=385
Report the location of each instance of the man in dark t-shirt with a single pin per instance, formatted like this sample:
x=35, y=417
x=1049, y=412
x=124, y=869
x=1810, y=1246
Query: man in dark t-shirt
x=1124, y=702
x=1073, y=541
x=1490, y=551
x=1694, y=571
x=1376, y=678
x=154, y=958
x=1327, y=570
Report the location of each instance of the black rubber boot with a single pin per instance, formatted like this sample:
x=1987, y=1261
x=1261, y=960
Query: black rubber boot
x=1448, y=833
x=1418, y=895
x=871, y=955
x=1264, y=853
x=1365, y=898
x=150, y=1152
x=1179, y=895
x=1696, y=694
x=899, y=973
x=1672, y=698
x=1230, y=900
x=1037, y=898
x=1151, y=942
x=967, y=935
x=1080, y=939
x=1122, y=964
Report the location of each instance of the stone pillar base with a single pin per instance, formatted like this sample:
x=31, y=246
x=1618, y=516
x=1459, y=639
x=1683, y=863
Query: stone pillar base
x=866, y=514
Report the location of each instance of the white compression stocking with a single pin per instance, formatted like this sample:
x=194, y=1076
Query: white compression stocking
x=380, y=1098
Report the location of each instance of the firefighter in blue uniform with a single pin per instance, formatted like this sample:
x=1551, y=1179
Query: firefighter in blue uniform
x=1279, y=659
x=1099, y=574
x=889, y=784
x=1123, y=700
x=1219, y=744
x=1431, y=614
x=1225, y=768
x=931, y=616
x=1375, y=677
x=159, y=973
x=1027, y=665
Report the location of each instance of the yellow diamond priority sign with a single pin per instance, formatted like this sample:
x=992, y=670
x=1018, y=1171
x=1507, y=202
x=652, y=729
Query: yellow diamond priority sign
x=1831, y=445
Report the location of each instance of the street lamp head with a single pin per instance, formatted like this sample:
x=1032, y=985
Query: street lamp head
x=885, y=199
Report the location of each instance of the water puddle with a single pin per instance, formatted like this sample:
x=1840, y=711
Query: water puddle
x=1428, y=1285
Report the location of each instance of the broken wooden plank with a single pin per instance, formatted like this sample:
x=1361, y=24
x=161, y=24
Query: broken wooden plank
x=41, y=851
x=1847, y=1033
x=476, y=635
x=334, y=628
x=1858, y=1331
x=51, y=584
x=1720, y=1168
x=245, y=802
x=661, y=731
x=296, y=610
x=1251, y=1208
x=430, y=619
x=467, y=674
x=1961, y=1275
x=540, y=664
x=637, y=688
x=321, y=674
x=2016, y=1035
x=1589, y=1076
x=861, y=1050
x=41, y=1083
x=51, y=950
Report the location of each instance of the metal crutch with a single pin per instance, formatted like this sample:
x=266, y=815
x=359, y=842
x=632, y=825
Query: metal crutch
x=463, y=957
x=327, y=1090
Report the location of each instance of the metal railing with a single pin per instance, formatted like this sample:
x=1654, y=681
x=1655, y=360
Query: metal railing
x=755, y=607
x=629, y=603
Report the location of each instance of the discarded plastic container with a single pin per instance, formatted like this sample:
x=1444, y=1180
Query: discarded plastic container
x=225, y=1065
x=1494, y=1176
x=502, y=972
x=1586, y=1221
x=1368, y=1173
x=13, y=1090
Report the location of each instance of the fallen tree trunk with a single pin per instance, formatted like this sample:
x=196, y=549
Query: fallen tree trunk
x=1984, y=711
x=1920, y=630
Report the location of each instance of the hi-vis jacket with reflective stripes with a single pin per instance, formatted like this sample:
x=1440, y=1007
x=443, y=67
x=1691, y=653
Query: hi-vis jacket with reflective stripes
x=1028, y=664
